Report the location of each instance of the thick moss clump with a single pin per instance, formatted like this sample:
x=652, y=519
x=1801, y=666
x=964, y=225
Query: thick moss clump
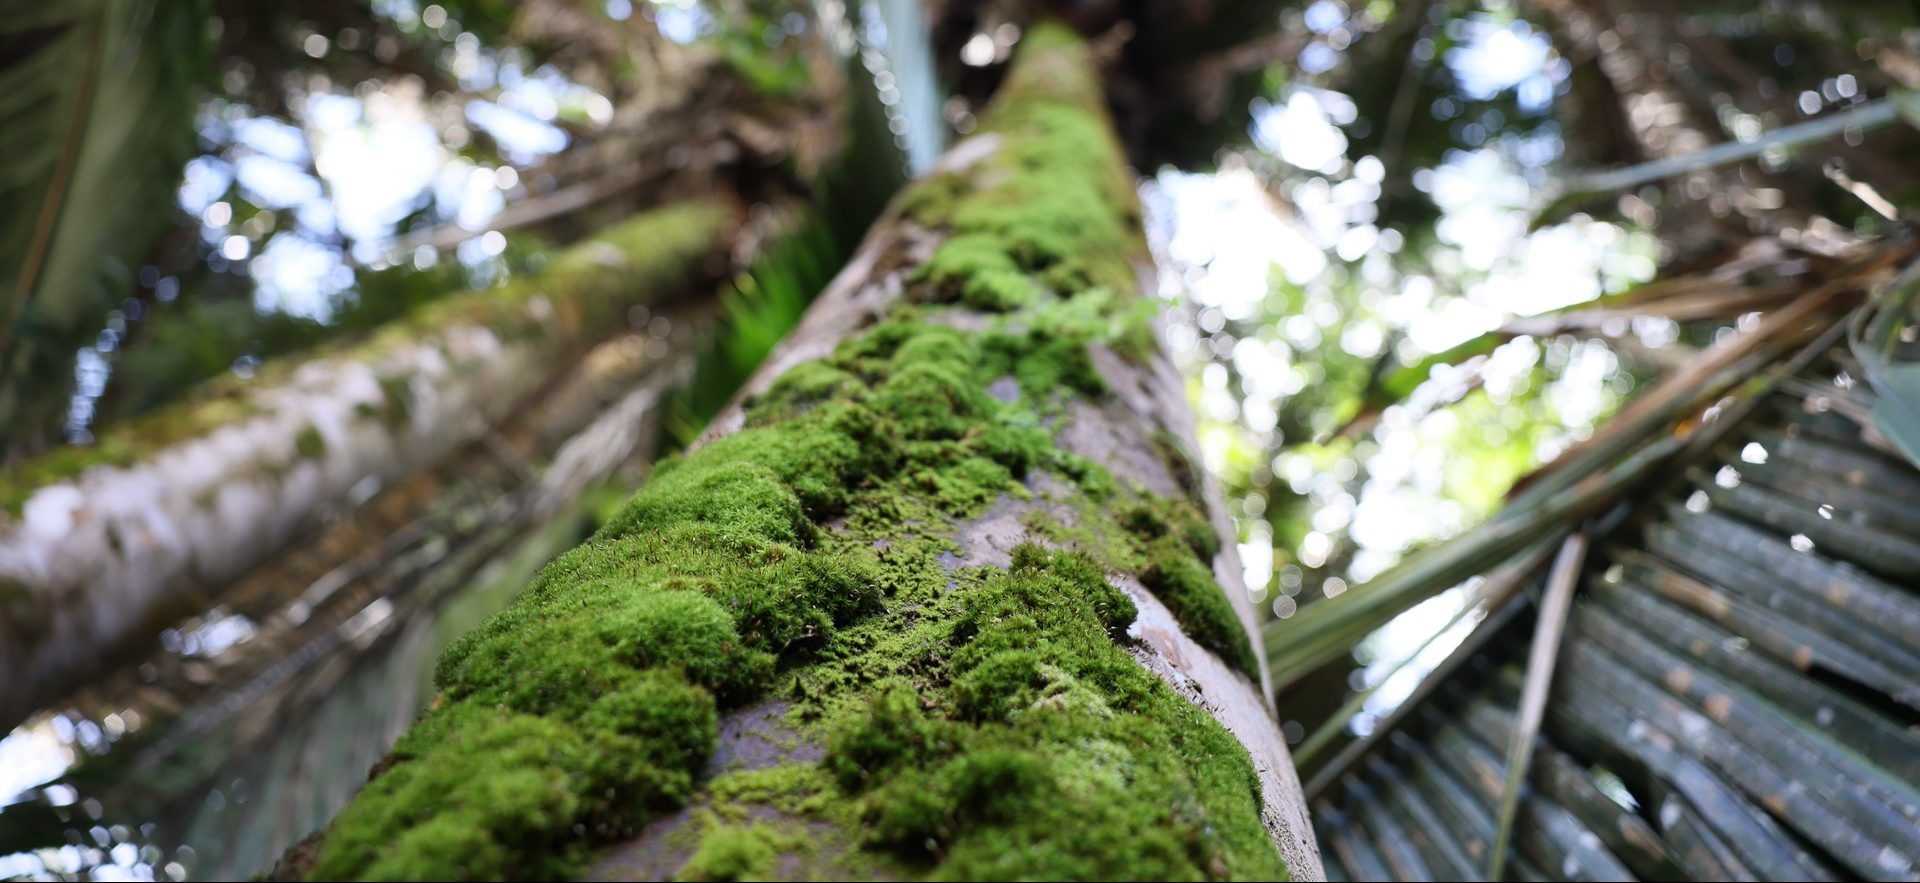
x=980, y=722
x=689, y=601
x=308, y=444
x=486, y=794
x=734, y=852
x=1186, y=586
x=1176, y=518
x=1053, y=208
x=604, y=679
x=1028, y=744
x=978, y=272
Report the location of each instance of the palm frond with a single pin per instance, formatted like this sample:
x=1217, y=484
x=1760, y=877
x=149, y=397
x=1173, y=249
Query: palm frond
x=1584, y=480
x=1737, y=688
x=1582, y=189
x=96, y=116
x=1541, y=658
x=1751, y=280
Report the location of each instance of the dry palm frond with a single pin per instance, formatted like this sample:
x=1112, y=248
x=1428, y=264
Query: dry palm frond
x=1737, y=688
x=1587, y=478
x=1897, y=106
x=1541, y=658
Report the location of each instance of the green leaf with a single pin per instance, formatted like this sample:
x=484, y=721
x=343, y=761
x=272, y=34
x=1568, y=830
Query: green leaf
x=1871, y=335
x=1898, y=411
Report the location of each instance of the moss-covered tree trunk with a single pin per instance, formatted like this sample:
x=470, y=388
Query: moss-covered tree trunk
x=943, y=595
x=99, y=544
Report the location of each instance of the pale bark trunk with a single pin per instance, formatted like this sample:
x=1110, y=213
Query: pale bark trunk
x=88, y=562
x=344, y=624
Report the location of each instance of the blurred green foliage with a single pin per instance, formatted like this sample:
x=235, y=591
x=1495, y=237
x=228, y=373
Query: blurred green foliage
x=96, y=112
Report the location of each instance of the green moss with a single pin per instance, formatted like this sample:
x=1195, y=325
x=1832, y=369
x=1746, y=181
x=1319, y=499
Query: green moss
x=309, y=445
x=893, y=731
x=734, y=852
x=1177, y=518
x=744, y=501
x=979, y=722
x=932, y=401
x=1185, y=471
x=494, y=782
x=1051, y=210
x=796, y=809
x=595, y=637
x=1186, y=586
x=1029, y=745
x=63, y=464
x=977, y=271
x=806, y=385
x=123, y=446
x=792, y=788
x=396, y=400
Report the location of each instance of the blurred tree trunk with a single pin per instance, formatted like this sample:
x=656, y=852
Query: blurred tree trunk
x=340, y=629
x=972, y=459
x=102, y=545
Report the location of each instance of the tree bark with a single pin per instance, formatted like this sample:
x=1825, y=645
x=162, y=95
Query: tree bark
x=100, y=543
x=942, y=593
